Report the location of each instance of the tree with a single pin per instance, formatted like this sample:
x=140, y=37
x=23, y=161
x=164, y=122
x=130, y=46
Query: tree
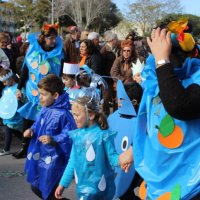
x=84, y=12
x=24, y=13
x=43, y=10
x=145, y=13
x=108, y=19
x=193, y=19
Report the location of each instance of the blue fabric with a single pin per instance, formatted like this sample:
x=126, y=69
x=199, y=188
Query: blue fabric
x=124, y=137
x=9, y=107
x=92, y=155
x=51, y=59
x=163, y=168
x=125, y=129
x=45, y=164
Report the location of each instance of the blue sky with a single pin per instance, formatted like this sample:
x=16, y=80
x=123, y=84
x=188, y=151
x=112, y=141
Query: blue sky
x=189, y=6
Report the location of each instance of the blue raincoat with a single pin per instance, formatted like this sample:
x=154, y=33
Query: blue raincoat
x=45, y=164
x=165, y=169
x=39, y=63
x=90, y=162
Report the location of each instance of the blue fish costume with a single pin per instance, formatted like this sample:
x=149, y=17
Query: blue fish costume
x=45, y=164
x=169, y=167
x=123, y=121
x=90, y=162
x=39, y=63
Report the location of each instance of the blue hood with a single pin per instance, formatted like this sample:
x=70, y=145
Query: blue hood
x=62, y=102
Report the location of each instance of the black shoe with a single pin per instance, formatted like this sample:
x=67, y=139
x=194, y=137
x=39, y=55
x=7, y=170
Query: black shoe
x=22, y=153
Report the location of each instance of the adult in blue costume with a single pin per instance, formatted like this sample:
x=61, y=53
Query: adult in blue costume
x=43, y=57
x=167, y=144
x=50, y=145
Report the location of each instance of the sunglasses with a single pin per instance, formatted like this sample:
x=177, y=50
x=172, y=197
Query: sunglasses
x=126, y=50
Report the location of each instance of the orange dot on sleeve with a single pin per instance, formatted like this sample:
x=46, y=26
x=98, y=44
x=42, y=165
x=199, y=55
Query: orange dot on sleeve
x=34, y=92
x=34, y=64
x=142, y=191
x=33, y=77
x=165, y=196
x=174, y=140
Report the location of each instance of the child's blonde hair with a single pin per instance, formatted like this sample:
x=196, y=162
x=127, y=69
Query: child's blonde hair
x=91, y=106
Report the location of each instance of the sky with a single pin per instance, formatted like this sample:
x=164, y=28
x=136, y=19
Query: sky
x=189, y=6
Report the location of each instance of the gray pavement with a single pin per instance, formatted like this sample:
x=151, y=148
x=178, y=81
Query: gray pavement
x=13, y=185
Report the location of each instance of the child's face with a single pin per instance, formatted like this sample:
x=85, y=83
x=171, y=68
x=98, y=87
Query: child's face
x=68, y=81
x=137, y=77
x=79, y=114
x=46, y=98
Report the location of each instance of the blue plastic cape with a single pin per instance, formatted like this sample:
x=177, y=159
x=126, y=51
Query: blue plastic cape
x=92, y=155
x=163, y=168
x=40, y=63
x=125, y=128
x=45, y=163
x=8, y=108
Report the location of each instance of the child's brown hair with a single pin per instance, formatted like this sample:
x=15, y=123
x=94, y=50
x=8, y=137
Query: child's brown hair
x=52, y=83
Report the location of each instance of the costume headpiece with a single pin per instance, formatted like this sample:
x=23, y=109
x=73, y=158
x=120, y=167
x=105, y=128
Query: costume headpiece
x=70, y=68
x=185, y=40
x=46, y=27
x=7, y=76
x=138, y=67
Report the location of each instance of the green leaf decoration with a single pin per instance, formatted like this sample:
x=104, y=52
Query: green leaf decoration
x=176, y=193
x=43, y=62
x=35, y=53
x=39, y=107
x=56, y=60
x=48, y=65
x=166, y=126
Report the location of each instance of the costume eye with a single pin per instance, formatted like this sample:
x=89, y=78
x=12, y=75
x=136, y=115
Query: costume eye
x=124, y=144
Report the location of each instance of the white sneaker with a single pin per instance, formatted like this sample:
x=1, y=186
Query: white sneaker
x=3, y=153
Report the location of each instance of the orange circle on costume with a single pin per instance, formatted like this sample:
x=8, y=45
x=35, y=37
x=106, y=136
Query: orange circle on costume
x=165, y=196
x=33, y=77
x=174, y=140
x=34, y=92
x=44, y=69
x=34, y=64
x=143, y=190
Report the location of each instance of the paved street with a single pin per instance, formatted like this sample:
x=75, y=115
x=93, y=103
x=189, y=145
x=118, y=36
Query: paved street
x=13, y=185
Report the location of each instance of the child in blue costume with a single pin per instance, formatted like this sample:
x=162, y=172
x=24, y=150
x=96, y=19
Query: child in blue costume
x=50, y=145
x=8, y=109
x=42, y=58
x=93, y=154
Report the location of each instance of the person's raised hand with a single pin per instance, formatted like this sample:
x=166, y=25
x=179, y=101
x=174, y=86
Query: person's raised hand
x=160, y=44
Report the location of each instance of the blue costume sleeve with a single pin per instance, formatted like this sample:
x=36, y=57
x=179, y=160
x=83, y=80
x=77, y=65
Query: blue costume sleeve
x=69, y=171
x=111, y=153
x=63, y=139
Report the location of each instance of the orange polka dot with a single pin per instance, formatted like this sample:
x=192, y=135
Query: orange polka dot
x=165, y=196
x=174, y=140
x=142, y=191
x=34, y=64
x=33, y=77
x=34, y=92
x=44, y=69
